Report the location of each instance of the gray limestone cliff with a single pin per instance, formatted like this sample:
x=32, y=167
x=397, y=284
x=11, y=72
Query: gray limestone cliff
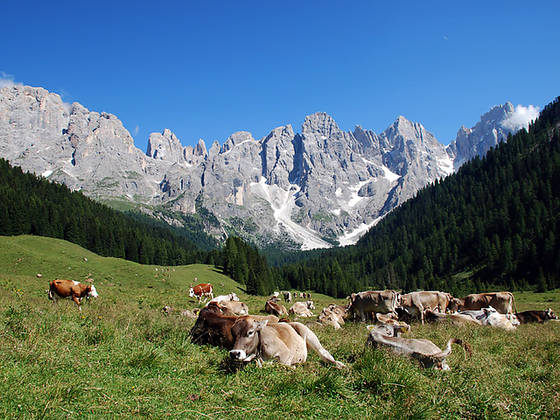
x=311, y=189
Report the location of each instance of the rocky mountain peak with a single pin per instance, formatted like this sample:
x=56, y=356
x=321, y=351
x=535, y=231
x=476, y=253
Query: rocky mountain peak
x=236, y=139
x=165, y=146
x=488, y=132
x=320, y=123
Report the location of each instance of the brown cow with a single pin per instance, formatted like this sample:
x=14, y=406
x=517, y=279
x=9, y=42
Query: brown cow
x=535, y=316
x=214, y=328
x=271, y=307
x=503, y=302
x=415, y=303
x=71, y=289
x=302, y=309
x=200, y=290
x=286, y=342
x=364, y=303
x=333, y=315
x=234, y=308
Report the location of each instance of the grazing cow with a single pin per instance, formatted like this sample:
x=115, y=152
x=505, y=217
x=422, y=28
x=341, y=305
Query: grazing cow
x=224, y=298
x=287, y=297
x=364, y=303
x=503, y=302
x=302, y=309
x=271, y=307
x=214, y=328
x=71, y=289
x=200, y=290
x=455, y=319
x=286, y=342
x=489, y=316
x=427, y=353
x=333, y=315
x=535, y=316
x=415, y=303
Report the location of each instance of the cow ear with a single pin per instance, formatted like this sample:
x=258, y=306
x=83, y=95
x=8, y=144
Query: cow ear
x=260, y=324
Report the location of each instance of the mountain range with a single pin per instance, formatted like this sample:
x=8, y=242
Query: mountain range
x=315, y=188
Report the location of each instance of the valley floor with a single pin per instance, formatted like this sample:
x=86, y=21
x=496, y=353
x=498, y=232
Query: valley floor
x=121, y=357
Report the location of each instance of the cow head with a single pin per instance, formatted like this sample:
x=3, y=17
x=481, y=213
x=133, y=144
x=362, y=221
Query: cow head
x=454, y=305
x=191, y=292
x=549, y=314
x=91, y=292
x=246, y=334
x=310, y=304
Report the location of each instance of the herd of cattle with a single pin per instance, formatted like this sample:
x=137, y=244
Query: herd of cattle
x=225, y=321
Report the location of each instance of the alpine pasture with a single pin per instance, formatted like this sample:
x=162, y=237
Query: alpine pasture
x=122, y=357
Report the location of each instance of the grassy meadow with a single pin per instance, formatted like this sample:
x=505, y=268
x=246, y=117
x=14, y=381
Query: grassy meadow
x=121, y=357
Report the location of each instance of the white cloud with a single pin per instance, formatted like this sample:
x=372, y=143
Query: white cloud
x=7, y=80
x=521, y=117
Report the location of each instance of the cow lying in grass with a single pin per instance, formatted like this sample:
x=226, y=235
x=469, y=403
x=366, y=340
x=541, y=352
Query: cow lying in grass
x=536, y=316
x=214, y=328
x=427, y=353
x=490, y=316
x=286, y=342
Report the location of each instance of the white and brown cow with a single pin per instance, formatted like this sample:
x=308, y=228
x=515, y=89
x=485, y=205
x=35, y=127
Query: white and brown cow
x=71, y=289
x=503, y=302
x=201, y=290
x=489, y=316
x=363, y=304
x=415, y=303
x=286, y=342
x=223, y=298
x=526, y=317
x=302, y=309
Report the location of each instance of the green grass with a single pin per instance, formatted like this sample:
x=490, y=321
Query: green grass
x=121, y=357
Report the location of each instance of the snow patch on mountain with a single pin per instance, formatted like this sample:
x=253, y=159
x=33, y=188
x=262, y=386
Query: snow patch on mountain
x=350, y=238
x=389, y=175
x=282, y=203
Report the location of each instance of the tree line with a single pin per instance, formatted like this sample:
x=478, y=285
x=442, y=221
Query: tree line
x=33, y=205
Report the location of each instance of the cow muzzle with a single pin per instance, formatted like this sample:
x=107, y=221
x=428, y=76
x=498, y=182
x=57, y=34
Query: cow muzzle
x=241, y=356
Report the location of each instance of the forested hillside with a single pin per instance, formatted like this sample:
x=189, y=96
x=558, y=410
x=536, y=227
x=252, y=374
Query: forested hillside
x=494, y=223
x=32, y=205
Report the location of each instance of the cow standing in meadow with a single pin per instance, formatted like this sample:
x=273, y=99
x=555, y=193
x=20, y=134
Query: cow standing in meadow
x=363, y=304
x=71, y=289
x=415, y=303
x=201, y=290
x=503, y=302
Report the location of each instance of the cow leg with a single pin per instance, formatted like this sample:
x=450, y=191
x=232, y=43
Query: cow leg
x=312, y=342
x=77, y=301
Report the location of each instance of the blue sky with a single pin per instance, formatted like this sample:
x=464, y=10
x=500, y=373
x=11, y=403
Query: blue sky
x=208, y=69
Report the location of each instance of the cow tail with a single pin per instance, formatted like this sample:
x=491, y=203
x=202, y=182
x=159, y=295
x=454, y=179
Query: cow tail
x=514, y=305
